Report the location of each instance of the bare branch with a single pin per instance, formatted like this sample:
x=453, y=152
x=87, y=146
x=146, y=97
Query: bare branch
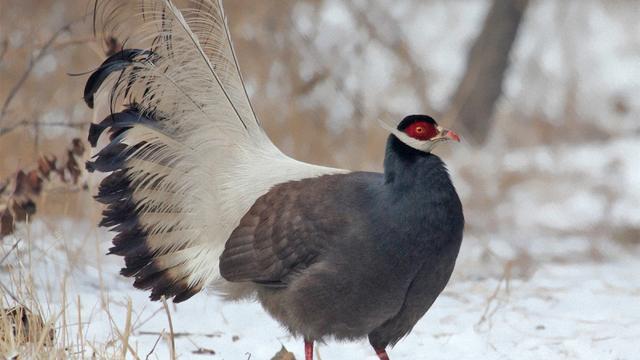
x=32, y=63
x=394, y=41
x=172, y=343
x=481, y=85
x=73, y=41
x=27, y=123
x=4, y=46
x=154, y=345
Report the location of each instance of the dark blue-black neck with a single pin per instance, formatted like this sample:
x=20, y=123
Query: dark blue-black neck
x=421, y=202
x=408, y=169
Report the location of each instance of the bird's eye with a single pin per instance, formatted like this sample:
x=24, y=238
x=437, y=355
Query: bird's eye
x=421, y=130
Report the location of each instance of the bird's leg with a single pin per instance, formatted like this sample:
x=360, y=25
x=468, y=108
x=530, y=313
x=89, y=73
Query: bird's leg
x=382, y=354
x=308, y=349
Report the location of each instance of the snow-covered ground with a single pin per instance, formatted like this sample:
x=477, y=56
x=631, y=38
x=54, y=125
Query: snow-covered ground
x=527, y=308
x=548, y=269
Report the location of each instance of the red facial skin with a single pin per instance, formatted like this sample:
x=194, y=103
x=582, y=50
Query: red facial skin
x=421, y=130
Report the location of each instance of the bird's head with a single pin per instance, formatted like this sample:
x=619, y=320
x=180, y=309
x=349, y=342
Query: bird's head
x=421, y=132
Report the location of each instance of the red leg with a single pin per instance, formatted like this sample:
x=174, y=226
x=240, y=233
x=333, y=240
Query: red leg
x=382, y=354
x=308, y=349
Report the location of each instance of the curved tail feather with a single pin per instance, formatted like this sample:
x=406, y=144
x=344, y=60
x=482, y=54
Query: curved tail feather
x=185, y=154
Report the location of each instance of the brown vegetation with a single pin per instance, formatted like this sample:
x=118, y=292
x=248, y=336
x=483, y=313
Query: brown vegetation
x=20, y=192
x=296, y=84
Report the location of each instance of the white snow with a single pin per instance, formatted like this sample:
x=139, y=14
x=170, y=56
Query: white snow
x=562, y=310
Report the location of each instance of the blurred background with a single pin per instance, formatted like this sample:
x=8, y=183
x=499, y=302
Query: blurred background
x=545, y=93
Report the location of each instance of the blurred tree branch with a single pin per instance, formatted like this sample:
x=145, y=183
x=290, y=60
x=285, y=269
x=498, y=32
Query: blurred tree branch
x=4, y=46
x=394, y=41
x=32, y=63
x=70, y=125
x=481, y=85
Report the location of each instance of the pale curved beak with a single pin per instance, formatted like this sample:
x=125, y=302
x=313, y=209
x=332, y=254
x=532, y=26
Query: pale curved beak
x=447, y=134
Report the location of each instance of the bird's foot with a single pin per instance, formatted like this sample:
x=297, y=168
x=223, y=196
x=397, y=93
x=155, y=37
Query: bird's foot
x=308, y=349
x=382, y=354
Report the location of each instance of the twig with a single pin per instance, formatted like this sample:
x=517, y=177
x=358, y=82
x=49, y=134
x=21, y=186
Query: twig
x=127, y=330
x=115, y=327
x=4, y=288
x=201, y=350
x=10, y=251
x=11, y=295
x=73, y=41
x=80, y=325
x=139, y=323
x=26, y=123
x=395, y=44
x=488, y=312
x=172, y=343
x=25, y=74
x=32, y=62
x=155, y=344
x=5, y=47
x=181, y=334
x=46, y=330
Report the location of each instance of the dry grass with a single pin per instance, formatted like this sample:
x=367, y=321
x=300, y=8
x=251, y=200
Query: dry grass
x=40, y=318
x=34, y=326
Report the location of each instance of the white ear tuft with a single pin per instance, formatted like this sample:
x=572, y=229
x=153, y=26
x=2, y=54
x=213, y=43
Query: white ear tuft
x=421, y=145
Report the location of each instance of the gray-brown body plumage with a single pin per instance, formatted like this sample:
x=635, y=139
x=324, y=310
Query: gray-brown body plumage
x=352, y=255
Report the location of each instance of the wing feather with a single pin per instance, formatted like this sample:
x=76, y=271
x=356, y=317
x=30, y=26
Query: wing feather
x=285, y=231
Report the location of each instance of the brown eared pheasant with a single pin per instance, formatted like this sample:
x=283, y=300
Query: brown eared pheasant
x=199, y=196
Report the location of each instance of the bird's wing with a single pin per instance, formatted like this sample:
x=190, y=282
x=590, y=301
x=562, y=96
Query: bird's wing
x=290, y=227
x=187, y=156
